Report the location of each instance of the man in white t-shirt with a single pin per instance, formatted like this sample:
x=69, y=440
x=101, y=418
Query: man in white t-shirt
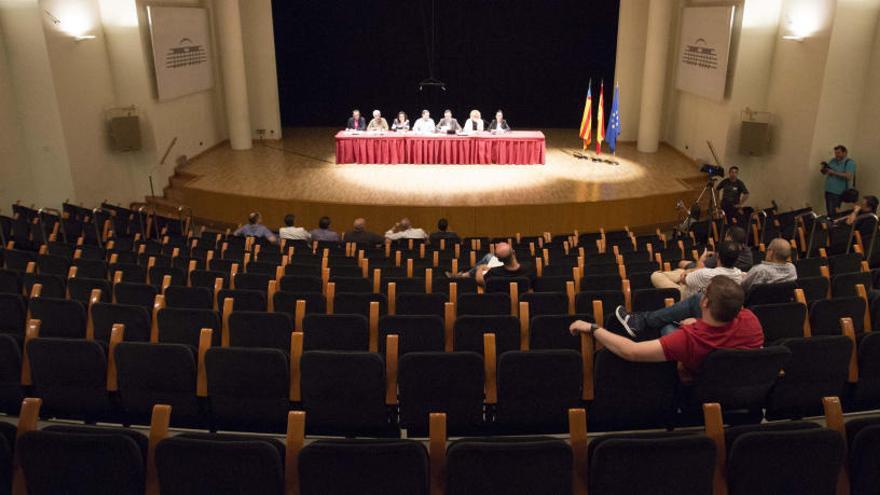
x=404, y=230
x=694, y=282
x=292, y=233
x=424, y=125
x=692, y=285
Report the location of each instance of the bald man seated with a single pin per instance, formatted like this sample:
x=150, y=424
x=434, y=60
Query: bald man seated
x=361, y=235
x=774, y=269
x=502, y=263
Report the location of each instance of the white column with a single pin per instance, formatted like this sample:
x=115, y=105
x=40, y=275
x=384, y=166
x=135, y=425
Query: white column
x=234, y=76
x=654, y=75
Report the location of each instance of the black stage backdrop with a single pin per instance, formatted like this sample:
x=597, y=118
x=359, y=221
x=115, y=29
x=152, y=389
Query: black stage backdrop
x=531, y=58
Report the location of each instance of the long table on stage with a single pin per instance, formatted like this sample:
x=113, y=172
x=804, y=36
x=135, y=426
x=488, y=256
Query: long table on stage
x=514, y=148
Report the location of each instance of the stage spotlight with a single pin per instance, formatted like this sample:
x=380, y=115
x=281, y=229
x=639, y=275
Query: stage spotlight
x=431, y=82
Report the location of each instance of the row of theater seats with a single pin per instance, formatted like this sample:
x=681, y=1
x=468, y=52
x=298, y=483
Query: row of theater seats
x=250, y=369
x=782, y=457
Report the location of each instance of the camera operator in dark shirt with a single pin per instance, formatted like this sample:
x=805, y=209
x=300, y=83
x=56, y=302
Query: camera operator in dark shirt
x=734, y=194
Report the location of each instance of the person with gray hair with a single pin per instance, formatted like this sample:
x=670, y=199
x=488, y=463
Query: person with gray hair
x=361, y=235
x=404, y=230
x=378, y=123
x=775, y=268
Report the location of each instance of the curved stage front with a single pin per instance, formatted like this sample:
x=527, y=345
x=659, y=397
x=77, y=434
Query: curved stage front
x=299, y=175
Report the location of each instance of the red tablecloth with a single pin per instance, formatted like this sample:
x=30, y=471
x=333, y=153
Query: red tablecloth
x=360, y=148
x=517, y=147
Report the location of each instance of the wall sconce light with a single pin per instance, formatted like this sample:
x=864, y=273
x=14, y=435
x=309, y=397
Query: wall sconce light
x=803, y=20
x=77, y=26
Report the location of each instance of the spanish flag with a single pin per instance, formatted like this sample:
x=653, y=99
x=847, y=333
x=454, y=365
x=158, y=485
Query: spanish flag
x=600, y=119
x=587, y=120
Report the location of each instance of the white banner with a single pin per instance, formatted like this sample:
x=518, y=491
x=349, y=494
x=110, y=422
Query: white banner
x=704, y=50
x=182, y=50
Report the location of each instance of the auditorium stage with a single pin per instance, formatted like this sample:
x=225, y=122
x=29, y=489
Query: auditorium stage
x=298, y=174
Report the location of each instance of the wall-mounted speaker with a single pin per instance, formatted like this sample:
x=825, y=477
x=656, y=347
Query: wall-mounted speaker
x=754, y=138
x=125, y=133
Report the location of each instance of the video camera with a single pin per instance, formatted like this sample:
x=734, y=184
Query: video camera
x=712, y=170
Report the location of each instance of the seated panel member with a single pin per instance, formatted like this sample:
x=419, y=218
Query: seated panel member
x=425, y=124
x=474, y=123
x=356, y=122
x=499, y=124
x=401, y=123
x=447, y=123
x=378, y=123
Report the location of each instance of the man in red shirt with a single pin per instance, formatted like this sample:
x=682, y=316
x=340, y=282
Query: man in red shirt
x=724, y=324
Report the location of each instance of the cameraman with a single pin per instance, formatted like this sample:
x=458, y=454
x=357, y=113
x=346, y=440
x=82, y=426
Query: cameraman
x=838, y=172
x=734, y=194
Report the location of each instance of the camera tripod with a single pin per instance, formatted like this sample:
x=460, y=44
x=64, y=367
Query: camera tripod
x=713, y=208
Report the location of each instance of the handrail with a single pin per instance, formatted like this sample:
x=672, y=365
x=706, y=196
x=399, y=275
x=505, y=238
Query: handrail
x=99, y=226
x=60, y=216
x=185, y=226
x=870, y=247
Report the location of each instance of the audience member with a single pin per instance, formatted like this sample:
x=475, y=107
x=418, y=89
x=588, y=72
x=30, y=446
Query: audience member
x=693, y=282
x=361, y=235
x=775, y=268
x=404, y=230
x=442, y=233
x=378, y=123
x=356, y=122
x=723, y=324
x=866, y=225
x=510, y=266
x=256, y=229
x=744, y=262
x=323, y=232
x=292, y=233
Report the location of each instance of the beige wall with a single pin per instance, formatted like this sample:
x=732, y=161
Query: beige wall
x=36, y=104
x=262, y=77
x=16, y=183
x=867, y=143
x=55, y=93
x=631, y=35
x=820, y=92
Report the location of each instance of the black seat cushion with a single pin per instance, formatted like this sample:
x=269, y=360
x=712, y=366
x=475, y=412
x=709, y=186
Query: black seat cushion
x=628, y=464
x=150, y=374
x=198, y=465
x=60, y=462
x=527, y=466
x=135, y=318
x=536, y=389
x=335, y=384
x=248, y=388
x=812, y=461
x=450, y=382
x=340, y=467
x=339, y=332
x=415, y=333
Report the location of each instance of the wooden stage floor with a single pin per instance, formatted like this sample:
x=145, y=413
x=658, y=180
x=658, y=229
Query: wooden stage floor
x=298, y=174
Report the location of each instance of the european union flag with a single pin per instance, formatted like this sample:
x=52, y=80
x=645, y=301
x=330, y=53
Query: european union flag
x=613, y=121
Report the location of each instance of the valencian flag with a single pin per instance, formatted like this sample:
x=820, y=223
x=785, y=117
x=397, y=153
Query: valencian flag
x=600, y=119
x=614, y=121
x=586, y=132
